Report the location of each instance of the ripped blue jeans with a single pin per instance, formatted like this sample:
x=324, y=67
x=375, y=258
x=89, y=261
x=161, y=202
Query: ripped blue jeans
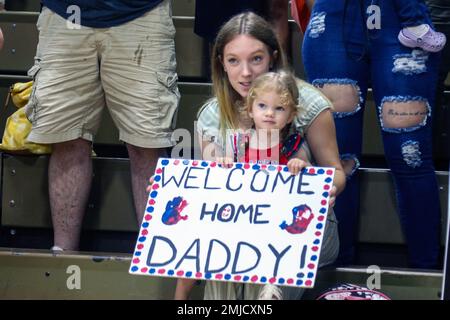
x=345, y=49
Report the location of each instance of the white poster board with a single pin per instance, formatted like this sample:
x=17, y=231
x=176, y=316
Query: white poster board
x=249, y=223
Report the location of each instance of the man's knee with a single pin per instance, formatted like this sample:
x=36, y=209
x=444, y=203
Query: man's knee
x=144, y=157
x=77, y=147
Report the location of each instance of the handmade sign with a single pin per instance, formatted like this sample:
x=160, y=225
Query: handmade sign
x=249, y=223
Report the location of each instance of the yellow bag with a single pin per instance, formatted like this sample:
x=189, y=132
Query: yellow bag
x=18, y=126
x=20, y=93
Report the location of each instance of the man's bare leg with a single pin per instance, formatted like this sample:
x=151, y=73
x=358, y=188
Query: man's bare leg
x=70, y=176
x=142, y=162
x=184, y=288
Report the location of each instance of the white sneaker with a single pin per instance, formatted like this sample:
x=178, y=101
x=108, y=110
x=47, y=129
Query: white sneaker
x=270, y=292
x=56, y=248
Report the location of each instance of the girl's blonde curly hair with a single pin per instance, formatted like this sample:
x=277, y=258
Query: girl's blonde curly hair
x=282, y=82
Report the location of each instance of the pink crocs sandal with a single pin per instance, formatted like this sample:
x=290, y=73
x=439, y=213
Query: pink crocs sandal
x=431, y=41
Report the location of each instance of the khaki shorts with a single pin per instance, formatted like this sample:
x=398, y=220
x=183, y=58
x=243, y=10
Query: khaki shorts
x=130, y=68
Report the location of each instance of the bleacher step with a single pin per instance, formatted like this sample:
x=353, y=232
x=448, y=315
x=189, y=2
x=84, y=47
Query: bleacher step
x=43, y=274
